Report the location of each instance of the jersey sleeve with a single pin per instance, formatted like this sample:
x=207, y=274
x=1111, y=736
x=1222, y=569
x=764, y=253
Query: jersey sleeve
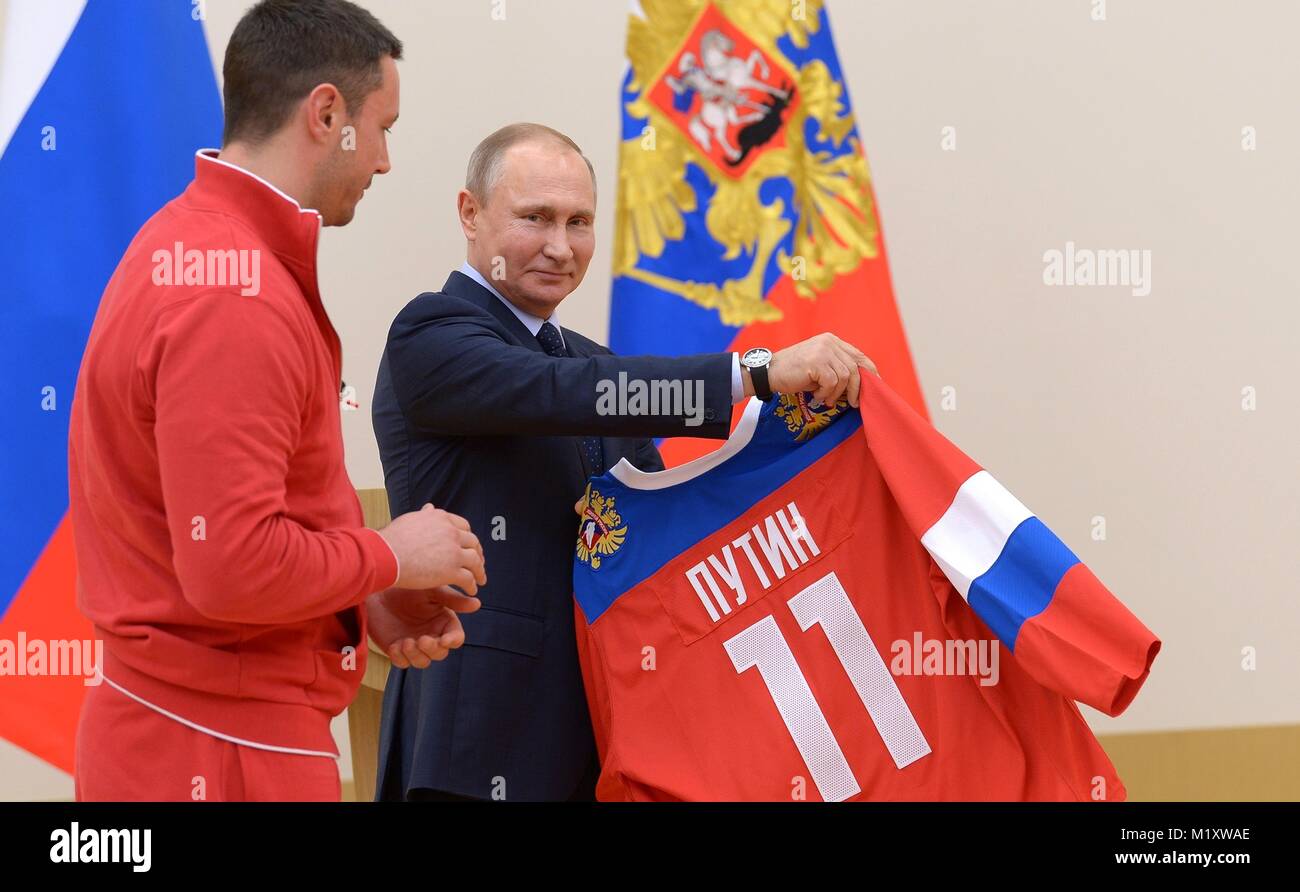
x=1063, y=626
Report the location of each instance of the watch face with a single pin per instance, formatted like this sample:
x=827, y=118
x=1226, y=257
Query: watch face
x=759, y=356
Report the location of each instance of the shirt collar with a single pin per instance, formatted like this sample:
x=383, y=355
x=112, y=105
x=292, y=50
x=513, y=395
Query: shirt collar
x=531, y=322
x=291, y=231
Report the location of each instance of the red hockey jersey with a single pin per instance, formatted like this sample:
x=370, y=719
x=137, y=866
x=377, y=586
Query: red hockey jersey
x=811, y=613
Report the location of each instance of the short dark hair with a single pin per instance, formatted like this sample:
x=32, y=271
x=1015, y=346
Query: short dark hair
x=283, y=49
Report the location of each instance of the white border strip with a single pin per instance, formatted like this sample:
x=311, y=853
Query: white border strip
x=211, y=155
x=967, y=540
x=218, y=734
x=35, y=33
x=629, y=475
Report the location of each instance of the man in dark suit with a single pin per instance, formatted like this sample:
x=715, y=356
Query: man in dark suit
x=487, y=408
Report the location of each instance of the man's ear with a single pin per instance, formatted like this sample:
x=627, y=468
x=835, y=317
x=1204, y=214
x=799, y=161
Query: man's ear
x=326, y=111
x=468, y=208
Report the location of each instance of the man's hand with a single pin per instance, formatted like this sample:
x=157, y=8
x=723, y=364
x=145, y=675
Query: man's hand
x=823, y=364
x=435, y=549
x=417, y=627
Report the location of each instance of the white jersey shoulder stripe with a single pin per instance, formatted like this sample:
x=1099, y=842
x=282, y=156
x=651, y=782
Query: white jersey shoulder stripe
x=970, y=535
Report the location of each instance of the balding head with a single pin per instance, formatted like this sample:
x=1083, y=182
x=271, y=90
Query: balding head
x=487, y=161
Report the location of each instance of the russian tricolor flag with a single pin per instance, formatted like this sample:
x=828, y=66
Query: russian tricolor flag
x=102, y=106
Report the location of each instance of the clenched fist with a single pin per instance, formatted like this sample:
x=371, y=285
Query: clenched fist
x=822, y=364
x=435, y=549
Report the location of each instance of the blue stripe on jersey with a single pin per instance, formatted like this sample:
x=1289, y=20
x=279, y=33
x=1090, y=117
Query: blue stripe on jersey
x=663, y=523
x=1022, y=581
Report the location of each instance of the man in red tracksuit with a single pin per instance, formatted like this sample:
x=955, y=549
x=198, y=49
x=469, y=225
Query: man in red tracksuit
x=221, y=549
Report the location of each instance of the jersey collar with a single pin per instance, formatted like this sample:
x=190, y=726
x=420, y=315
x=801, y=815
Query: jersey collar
x=634, y=478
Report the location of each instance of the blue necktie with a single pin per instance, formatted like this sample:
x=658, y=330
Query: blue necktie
x=553, y=344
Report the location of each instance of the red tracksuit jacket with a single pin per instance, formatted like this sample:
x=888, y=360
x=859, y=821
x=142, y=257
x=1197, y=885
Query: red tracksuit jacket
x=220, y=547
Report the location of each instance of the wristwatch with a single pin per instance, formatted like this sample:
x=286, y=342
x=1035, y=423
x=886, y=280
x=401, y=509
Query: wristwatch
x=757, y=360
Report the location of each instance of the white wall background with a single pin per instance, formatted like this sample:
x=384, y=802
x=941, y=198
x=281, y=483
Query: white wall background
x=1116, y=134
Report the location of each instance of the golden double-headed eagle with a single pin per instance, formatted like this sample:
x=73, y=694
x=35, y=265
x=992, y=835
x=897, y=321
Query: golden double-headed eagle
x=600, y=531
x=835, y=222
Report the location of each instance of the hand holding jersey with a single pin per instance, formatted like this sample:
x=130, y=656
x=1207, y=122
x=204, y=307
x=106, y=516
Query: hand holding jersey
x=823, y=365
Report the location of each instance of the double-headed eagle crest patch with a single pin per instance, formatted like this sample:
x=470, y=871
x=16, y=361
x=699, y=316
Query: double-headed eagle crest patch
x=801, y=418
x=601, y=530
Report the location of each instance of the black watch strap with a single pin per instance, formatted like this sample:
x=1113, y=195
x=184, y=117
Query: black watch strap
x=761, y=388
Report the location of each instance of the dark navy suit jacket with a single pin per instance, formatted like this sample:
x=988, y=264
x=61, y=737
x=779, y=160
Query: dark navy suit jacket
x=472, y=415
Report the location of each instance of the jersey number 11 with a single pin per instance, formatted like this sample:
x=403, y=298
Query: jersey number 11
x=762, y=646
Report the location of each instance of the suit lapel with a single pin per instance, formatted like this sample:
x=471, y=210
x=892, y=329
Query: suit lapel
x=462, y=286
